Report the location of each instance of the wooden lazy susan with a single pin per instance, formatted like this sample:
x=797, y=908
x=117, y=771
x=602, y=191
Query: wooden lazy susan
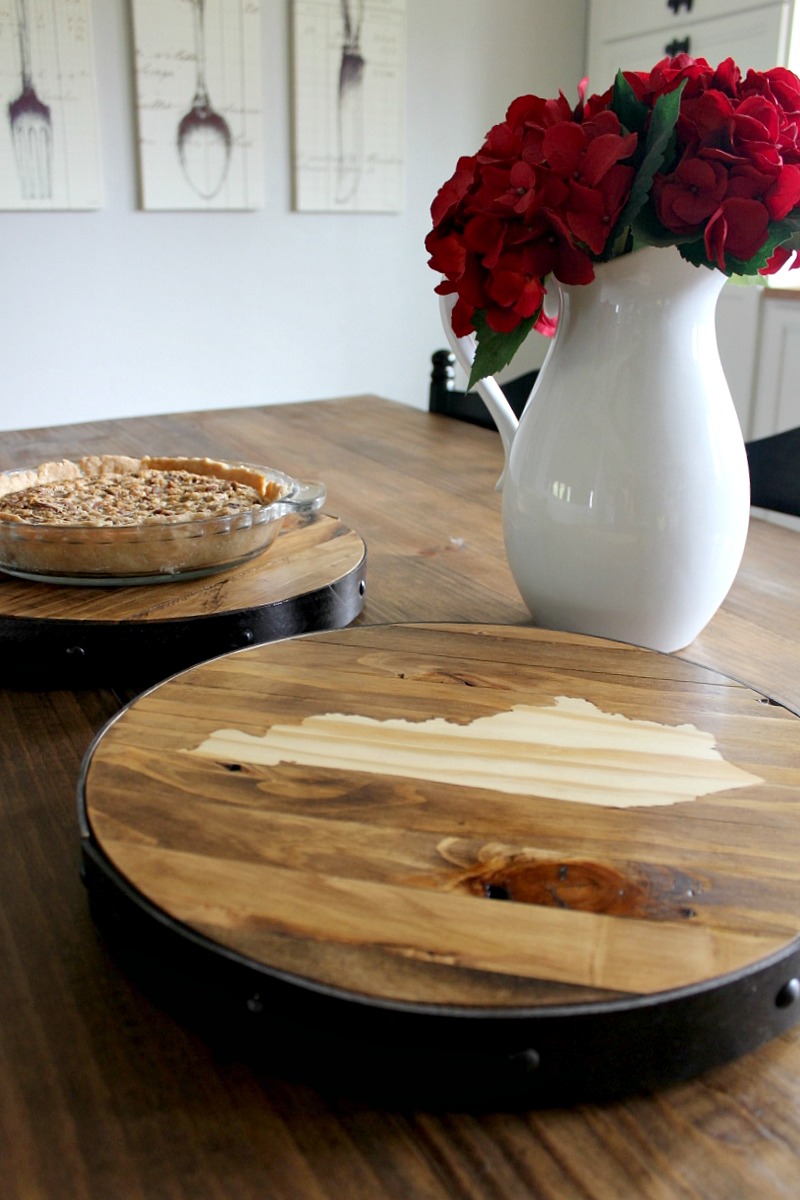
x=311, y=578
x=535, y=862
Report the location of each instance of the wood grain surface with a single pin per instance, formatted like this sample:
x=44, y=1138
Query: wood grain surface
x=219, y=799
x=105, y=1092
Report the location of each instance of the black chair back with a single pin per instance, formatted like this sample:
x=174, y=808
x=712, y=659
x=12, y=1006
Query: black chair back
x=775, y=472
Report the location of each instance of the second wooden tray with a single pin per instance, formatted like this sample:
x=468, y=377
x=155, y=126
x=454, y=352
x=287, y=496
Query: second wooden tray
x=312, y=578
x=573, y=856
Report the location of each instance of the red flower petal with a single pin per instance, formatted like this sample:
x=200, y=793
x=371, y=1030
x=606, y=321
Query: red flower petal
x=784, y=195
x=545, y=325
x=484, y=236
x=502, y=320
x=448, y=254
x=462, y=318
x=690, y=194
x=748, y=221
x=452, y=192
x=737, y=229
x=562, y=147
x=587, y=218
x=603, y=153
x=714, y=238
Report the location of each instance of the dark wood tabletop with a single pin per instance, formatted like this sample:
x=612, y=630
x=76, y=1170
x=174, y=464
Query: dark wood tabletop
x=105, y=1091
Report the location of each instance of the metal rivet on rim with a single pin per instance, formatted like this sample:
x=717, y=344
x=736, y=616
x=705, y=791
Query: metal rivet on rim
x=789, y=994
x=527, y=1060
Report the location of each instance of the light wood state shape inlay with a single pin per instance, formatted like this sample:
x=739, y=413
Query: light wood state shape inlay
x=569, y=751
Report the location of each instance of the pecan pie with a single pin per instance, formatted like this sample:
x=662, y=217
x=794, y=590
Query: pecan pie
x=112, y=490
x=112, y=518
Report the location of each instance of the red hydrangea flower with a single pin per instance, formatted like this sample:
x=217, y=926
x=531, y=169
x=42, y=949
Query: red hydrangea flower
x=554, y=188
x=690, y=194
x=541, y=196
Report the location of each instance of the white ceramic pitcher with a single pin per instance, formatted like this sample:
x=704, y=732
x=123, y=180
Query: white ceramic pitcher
x=626, y=492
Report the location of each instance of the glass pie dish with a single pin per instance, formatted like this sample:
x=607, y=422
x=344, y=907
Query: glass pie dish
x=160, y=550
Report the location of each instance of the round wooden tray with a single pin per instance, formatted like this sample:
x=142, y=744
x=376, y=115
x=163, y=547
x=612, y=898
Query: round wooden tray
x=555, y=863
x=311, y=578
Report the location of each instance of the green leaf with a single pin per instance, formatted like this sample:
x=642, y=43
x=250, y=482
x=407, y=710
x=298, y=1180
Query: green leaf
x=786, y=233
x=628, y=107
x=658, y=150
x=496, y=350
x=666, y=111
x=695, y=252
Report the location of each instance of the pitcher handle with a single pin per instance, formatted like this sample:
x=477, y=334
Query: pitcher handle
x=488, y=389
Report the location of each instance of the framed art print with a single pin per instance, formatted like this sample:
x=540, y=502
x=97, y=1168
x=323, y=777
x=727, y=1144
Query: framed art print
x=199, y=103
x=49, y=143
x=349, y=101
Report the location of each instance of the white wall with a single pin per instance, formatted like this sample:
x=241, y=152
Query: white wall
x=121, y=312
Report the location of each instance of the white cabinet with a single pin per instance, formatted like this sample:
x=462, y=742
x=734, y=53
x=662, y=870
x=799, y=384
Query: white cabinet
x=776, y=399
x=635, y=36
x=642, y=16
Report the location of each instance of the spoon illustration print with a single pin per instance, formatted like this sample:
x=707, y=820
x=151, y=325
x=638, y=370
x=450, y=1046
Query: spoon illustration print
x=204, y=136
x=350, y=113
x=31, y=130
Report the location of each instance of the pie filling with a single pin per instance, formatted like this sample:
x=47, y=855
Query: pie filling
x=116, y=491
